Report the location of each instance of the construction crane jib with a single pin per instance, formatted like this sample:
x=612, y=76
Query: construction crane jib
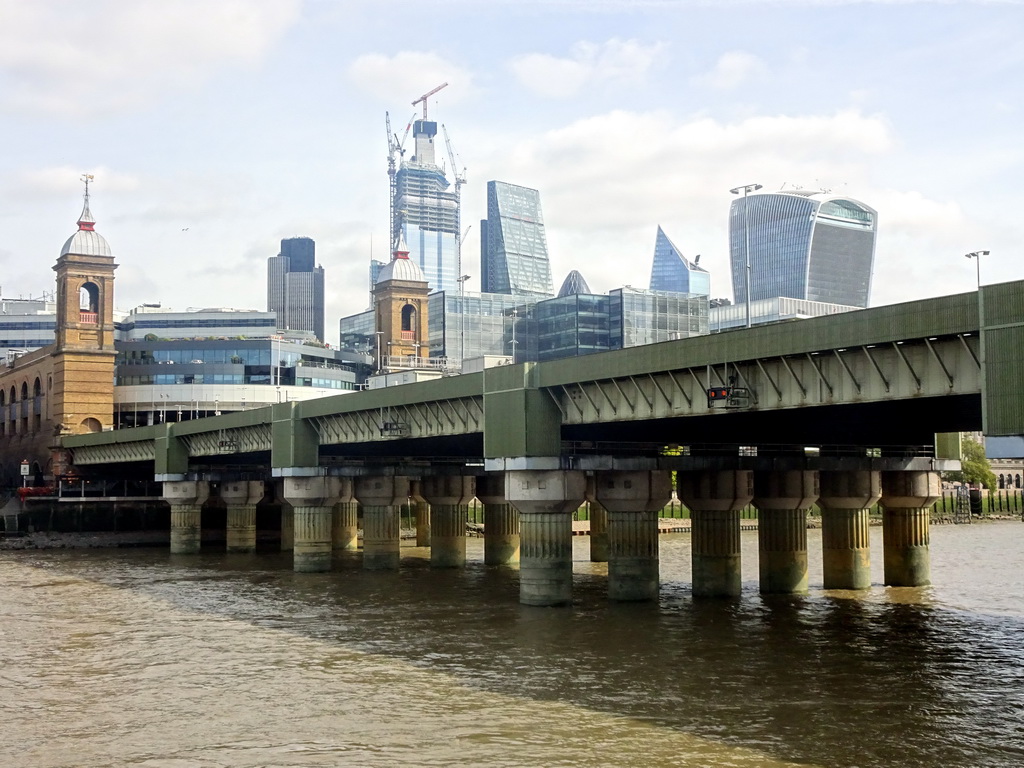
x=426, y=96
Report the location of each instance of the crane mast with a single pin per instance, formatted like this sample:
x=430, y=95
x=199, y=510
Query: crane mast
x=427, y=95
x=459, y=180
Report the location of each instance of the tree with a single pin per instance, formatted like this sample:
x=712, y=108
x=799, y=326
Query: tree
x=976, y=468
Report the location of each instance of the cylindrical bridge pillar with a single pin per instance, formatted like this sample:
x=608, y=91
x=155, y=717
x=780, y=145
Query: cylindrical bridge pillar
x=907, y=499
x=782, y=499
x=845, y=501
x=421, y=513
x=501, y=521
x=313, y=500
x=634, y=501
x=186, y=498
x=381, y=498
x=241, y=497
x=546, y=500
x=715, y=498
x=449, y=497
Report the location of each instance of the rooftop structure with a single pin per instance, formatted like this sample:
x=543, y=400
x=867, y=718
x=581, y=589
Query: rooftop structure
x=295, y=287
x=671, y=271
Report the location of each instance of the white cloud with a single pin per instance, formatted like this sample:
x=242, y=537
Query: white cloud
x=614, y=61
x=409, y=74
x=85, y=59
x=732, y=70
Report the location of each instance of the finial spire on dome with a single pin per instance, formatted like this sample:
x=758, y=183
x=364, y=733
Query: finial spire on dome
x=401, y=249
x=86, y=222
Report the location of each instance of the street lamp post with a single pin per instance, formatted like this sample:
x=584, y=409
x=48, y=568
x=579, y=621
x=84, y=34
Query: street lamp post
x=976, y=255
x=462, y=318
x=746, y=188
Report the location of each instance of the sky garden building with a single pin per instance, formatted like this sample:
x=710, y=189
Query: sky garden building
x=802, y=244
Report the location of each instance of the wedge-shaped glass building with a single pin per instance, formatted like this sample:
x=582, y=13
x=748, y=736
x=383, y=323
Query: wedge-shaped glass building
x=513, y=245
x=802, y=244
x=671, y=271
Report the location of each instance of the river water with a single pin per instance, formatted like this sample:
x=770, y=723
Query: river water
x=140, y=658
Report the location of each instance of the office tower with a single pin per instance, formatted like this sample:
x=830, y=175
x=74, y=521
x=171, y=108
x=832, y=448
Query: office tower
x=803, y=245
x=513, y=246
x=426, y=212
x=295, y=287
x=671, y=271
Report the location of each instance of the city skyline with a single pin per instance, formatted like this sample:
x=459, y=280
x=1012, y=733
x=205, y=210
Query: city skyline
x=623, y=116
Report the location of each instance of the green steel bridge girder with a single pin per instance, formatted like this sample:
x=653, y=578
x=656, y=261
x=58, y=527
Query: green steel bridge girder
x=922, y=349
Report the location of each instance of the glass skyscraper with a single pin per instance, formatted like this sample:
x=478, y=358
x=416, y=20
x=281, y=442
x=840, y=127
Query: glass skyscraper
x=513, y=245
x=671, y=271
x=295, y=287
x=803, y=245
x=427, y=212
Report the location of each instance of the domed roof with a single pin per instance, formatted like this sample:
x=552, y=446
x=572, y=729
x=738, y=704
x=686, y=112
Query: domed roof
x=86, y=241
x=401, y=267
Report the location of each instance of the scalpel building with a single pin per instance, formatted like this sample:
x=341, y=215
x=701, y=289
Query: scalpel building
x=802, y=244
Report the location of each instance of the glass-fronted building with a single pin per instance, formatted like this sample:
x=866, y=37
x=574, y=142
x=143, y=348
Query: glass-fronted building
x=427, y=212
x=637, y=317
x=803, y=245
x=773, y=310
x=513, y=245
x=26, y=324
x=295, y=287
x=671, y=271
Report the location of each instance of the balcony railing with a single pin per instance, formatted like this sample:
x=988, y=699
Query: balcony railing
x=408, y=335
x=88, y=317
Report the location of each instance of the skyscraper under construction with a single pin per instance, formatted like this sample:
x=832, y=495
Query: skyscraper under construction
x=425, y=209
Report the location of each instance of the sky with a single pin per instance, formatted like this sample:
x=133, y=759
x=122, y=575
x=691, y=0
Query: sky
x=215, y=128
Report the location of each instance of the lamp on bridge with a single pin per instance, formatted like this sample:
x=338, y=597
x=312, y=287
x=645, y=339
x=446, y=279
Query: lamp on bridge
x=976, y=255
x=745, y=189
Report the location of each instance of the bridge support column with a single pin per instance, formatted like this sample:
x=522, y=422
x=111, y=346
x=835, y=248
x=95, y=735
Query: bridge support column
x=907, y=499
x=421, y=511
x=186, y=498
x=845, y=501
x=287, y=527
x=501, y=521
x=449, y=497
x=345, y=524
x=313, y=500
x=241, y=498
x=545, y=500
x=715, y=498
x=381, y=499
x=634, y=501
x=782, y=500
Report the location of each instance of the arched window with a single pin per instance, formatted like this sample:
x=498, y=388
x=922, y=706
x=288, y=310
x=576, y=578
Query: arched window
x=14, y=394
x=24, y=390
x=3, y=398
x=92, y=425
x=408, y=319
x=37, y=387
x=1002, y=482
x=1016, y=482
x=89, y=302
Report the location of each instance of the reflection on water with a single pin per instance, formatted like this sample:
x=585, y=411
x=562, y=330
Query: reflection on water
x=142, y=658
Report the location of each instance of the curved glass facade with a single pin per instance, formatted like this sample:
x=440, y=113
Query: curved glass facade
x=802, y=245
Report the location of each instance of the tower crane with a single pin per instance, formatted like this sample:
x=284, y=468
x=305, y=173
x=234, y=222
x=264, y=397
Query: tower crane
x=396, y=150
x=459, y=180
x=425, y=96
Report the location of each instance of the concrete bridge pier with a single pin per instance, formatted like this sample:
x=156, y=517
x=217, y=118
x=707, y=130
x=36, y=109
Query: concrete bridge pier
x=186, y=498
x=715, y=498
x=381, y=498
x=845, y=501
x=344, y=518
x=634, y=500
x=501, y=521
x=598, y=523
x=546, y=500
x=241, y=497
x=907, y=499
x=312, y=500
x=421, y=512
x=449, y=497
x=782, y=499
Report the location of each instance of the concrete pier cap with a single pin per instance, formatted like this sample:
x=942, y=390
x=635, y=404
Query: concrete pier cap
x=910, y=490
x=186, y=492
x=490, y=488
x=786, y=489
x=545, y=490
x=320, y=491
x=448, y=490
x=633, y=491
x=240, y=492
x=850, y=489
x=382, y=491
x=715, y=490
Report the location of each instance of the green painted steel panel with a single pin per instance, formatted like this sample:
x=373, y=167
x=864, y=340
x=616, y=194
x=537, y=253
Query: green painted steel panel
x=295, y=442
x=519, y=419
x=171, y=452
